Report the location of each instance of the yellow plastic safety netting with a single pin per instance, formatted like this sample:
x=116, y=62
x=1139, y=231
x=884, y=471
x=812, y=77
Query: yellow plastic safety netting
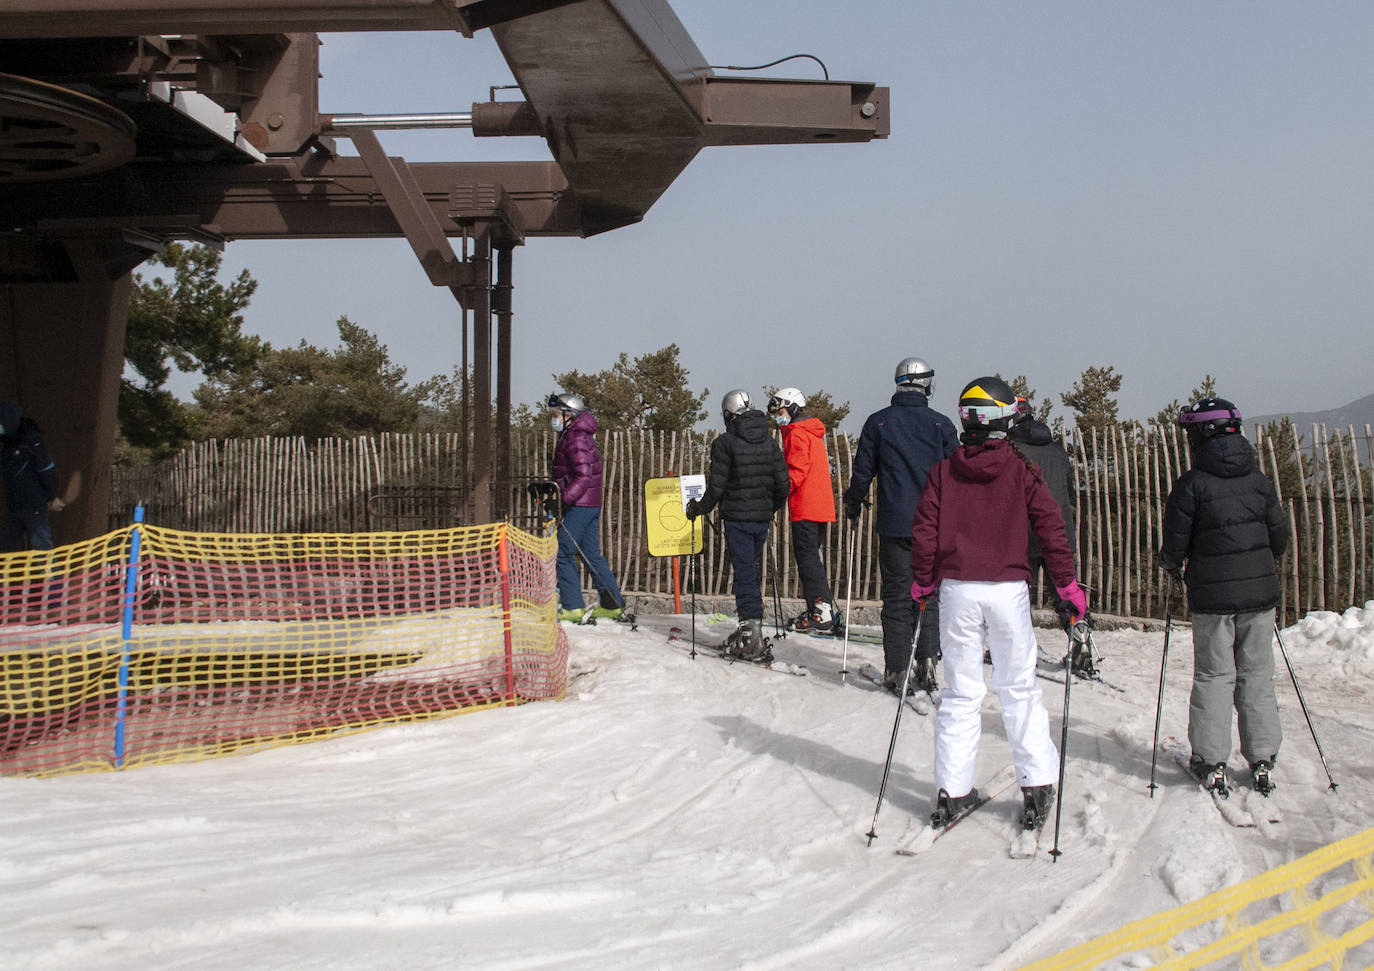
x=1316, y=912
x=151, y=645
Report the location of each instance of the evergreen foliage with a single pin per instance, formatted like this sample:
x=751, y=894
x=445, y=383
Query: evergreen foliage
x=303, y=390
x=650, y=392
x=1091, y=398
x=193, y=323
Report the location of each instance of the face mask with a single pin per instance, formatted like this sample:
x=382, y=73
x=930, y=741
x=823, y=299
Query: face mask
x=782, y=418
x=557, y=422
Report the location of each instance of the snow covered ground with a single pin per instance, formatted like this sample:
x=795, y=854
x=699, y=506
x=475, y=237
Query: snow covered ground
x=670, y=813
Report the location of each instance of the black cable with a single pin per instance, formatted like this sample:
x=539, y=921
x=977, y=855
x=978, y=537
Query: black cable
x=760, y=67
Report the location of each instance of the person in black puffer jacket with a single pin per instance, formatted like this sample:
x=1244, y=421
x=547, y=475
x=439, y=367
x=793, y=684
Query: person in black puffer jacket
x=1224, y=520
x=748, y=479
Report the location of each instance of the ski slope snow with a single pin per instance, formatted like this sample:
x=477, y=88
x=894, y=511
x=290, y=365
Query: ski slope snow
x=670, y=813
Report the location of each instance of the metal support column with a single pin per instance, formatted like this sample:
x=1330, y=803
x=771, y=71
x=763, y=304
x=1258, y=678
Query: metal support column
x=501, y=304
x=481, y=379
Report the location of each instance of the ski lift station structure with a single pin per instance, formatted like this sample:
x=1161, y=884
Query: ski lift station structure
x=125, y=124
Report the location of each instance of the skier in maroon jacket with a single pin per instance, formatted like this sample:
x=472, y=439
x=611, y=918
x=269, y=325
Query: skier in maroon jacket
x=969, y=542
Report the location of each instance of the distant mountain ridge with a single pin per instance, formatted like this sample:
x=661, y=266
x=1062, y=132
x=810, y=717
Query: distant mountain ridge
x=1358, y=413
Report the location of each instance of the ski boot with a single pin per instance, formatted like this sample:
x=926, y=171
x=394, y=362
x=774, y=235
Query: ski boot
x=820, y=617
x=1039, y=800
x=948, y=808
x=747, y=643
x=610, y=613
x=923, y=678
x=1261, y=772
x=573, y=615
x=1210, y=775
x=1080, y=636
x=893, y=678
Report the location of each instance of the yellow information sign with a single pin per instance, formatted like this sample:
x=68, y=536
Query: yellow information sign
x=670, y=532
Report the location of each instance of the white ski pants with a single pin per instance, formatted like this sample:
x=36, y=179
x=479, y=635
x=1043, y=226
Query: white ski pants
x=971, y=613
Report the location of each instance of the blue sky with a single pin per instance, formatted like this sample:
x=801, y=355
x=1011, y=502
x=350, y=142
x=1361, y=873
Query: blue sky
x=1172, y=188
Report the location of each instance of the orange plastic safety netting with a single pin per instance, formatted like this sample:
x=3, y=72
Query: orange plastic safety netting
x=151, y=645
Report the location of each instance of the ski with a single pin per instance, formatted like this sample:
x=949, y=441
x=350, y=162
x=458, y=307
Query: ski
x=769, y=663
x=857, y=636
x=1025, y=841
x=1231, y=811
x=1052, y=670
x=926, y=836
x=922, y=703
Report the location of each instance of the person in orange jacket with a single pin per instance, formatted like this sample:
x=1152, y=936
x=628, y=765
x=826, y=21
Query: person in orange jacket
x=810, y=506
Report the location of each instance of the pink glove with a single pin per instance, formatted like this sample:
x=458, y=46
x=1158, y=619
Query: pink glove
x=1075, y=597
x=920, y=591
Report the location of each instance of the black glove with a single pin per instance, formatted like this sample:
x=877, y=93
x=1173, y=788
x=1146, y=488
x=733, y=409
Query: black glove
x=853, y=509
x=551, y=507
x=541, y=490
x=693, y=509
x=1064, y=611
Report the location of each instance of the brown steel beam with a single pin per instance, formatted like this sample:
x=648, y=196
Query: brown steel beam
x=417, y=221
x=324, y=198
x=115, y=18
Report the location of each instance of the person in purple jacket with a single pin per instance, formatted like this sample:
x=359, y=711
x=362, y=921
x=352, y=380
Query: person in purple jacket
x=968, y=541
x=577, y=471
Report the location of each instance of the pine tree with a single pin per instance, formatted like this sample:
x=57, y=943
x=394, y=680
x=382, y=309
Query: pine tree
x=194, y=323
x=306, y=391
x=1091, y=398
x=649, y=392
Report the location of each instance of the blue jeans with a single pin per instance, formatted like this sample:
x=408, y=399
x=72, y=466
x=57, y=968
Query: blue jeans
x=19, y=523
x=581, y=530
x=745, y=543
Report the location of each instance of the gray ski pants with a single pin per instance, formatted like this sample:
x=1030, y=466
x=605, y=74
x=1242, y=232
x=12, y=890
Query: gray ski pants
x=1233, y=664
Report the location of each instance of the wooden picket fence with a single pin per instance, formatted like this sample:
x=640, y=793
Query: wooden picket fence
x=414, y=481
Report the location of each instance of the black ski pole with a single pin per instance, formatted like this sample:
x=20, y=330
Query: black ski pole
x=1159, y=704
x=1289, y=663
x=1082, y=632
x=896, y=724
x=848, y=602
x=777, y=597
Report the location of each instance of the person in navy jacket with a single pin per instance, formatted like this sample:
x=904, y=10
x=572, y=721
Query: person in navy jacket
x=898, y=446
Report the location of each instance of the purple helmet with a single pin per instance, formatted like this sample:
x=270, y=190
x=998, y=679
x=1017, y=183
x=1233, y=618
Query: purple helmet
x=1210, y=416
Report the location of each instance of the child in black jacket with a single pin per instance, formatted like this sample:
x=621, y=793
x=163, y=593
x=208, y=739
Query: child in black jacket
x=1224, y=520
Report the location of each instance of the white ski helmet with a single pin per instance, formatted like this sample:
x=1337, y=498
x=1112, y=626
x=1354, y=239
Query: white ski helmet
x=915, y=373
x=734, y=403
x=790, y=398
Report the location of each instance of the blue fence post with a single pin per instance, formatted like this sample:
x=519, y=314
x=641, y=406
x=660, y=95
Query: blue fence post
x=127, y=630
